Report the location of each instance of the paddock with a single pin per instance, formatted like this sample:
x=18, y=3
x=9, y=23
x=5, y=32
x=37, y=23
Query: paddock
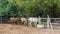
x=44, y=21
x=19, y=29
x=8, y=28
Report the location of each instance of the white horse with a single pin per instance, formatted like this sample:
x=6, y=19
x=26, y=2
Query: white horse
x=33, y=20
x=12, y=19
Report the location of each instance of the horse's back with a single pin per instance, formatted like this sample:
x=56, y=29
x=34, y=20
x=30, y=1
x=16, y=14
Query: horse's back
x=12, y=18
x=33, y=19
x=23, y=19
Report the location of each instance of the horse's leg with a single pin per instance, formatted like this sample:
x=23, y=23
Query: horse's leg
x=27, y=23
x=35, y=24
x=30, y=24
x=14, y=22
x=18, y=22
x=24, y=23
x=39, y=22
x=11, y=22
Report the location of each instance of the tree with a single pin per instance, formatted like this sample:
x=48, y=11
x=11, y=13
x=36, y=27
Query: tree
x=5, y=7
x=25, y=8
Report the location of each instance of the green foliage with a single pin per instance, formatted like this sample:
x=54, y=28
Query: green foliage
x=26, y=8
x=4, y=7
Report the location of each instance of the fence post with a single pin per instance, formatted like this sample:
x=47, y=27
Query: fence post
x=39, y=20
x=48, y=20
x=1, y=19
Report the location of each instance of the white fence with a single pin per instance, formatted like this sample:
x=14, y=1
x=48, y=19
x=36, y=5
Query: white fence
x=51, y=22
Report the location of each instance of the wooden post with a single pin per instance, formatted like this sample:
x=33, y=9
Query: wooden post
x=51, y=25
x=48, y=22
x=39, y=20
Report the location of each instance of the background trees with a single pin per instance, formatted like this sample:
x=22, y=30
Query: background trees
x=27, y=8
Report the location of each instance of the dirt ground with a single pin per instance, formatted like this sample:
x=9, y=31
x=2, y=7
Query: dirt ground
x=19, y=29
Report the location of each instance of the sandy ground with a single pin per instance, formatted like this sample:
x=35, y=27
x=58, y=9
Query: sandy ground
x=19, y=29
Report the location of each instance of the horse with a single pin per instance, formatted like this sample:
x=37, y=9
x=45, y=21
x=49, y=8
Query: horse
x=24, y=20
x=34, y=20
x=18, y=20
x=12, y=19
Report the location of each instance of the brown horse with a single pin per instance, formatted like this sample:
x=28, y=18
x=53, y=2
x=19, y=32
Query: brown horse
x=14, y=20
x=18, y=20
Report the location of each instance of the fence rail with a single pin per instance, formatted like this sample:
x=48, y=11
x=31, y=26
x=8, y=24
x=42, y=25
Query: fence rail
x=50, y=18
